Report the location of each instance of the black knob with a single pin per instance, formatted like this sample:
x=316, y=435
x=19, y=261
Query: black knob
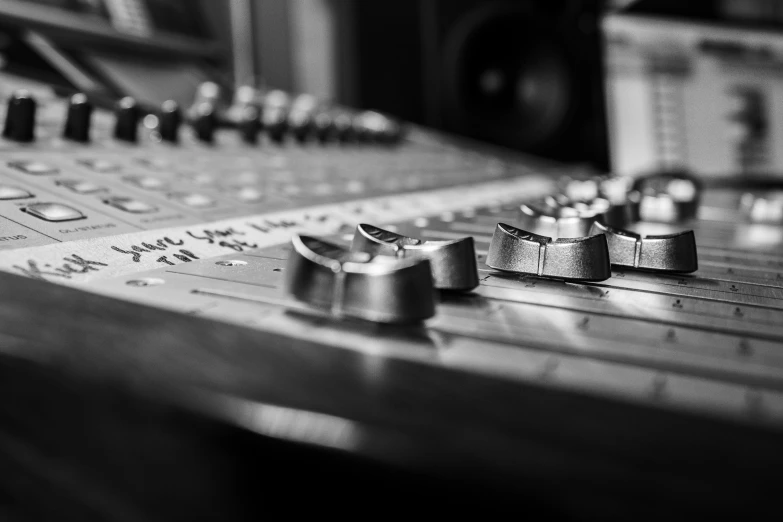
x=127, y=116
x=169, y=120
x=301, y=124
x=78, y=119
x=204, y=122
x=323, y=125
x=249, y=124
x=274, y=117
x=275, y=123
x=343, y=127
x=20, y=118
x=361, y=132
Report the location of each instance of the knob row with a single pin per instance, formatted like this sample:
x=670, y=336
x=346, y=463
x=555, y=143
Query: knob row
x=303, y=119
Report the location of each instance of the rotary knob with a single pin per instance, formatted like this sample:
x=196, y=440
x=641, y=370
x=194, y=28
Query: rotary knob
x=453, y=262
x=300, y=117
x=274, y=117
x=576, y=259
x=245, y=113
x=127, y=114
x=204, y=122
x=169, y=121
x=78, y=119
x=249, y=124
x=20, y=118
x=323, y=126
x=343, y=127
x=383, y=289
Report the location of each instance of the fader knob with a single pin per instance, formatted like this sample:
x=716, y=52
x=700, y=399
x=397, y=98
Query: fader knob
x=169, y=120
x=559, y=218
x=127, y=116
x=668, y=197
x=20, y=118
x=669, y=253
x=205, y=122
x=342, y=283
x=577, y=259
x=78, y=119
x=453, y=262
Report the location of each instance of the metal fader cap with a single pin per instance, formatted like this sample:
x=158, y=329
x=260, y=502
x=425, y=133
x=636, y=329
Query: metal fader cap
x=577, y=259
x=669, y=253
x=762, y=208
x=453, y=262
x=558, y=217
x=668, y=197
x=357, y=284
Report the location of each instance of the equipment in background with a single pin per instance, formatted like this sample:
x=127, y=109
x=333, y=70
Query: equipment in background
x=523, y=74
x=695, y=86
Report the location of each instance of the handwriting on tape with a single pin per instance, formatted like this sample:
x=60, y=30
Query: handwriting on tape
x=112, y=256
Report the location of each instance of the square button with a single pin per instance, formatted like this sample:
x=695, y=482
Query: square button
x=53, y=212
x=249, y=194
x=9, y=192
x=146, y=182
x=154, y=163
x=134, y=206
x=101, y=165
x=36, y=168
x=193, y=199
x=81, y=187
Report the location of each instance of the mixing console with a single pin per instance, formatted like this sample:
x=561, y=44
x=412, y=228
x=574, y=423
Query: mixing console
x=661, y=293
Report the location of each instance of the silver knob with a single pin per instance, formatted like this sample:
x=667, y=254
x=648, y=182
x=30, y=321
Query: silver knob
x=342, y=283
x=669, y=253
x=557, y=217
x=453, y=262
x=579, y=259
x=668, y=198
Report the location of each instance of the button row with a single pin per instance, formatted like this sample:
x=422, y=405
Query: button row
x=194, y=200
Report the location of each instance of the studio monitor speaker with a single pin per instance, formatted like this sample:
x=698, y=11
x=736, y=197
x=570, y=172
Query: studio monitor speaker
x=526, y=74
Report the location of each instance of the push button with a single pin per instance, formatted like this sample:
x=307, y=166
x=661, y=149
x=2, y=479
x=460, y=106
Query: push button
x=146, y=182
x=36, y=168
x=80, y=187
x=453, y=262
x=578, y=259
x=669, y=253
x=192, y=199
x=101, y=165
x=53, y=212
x=134, y=206
x=249, y=195
x=9, y=192
x=383, y=289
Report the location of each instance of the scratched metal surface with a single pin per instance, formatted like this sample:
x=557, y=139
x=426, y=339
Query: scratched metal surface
x=708, y=342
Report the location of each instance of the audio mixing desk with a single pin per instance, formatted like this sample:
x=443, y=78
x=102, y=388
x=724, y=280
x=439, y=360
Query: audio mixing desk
x=218, y=276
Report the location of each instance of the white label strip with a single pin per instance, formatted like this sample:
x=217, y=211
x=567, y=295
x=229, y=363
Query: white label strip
x=112, y=256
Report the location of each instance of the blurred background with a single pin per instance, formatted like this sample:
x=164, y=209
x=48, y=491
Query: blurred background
x=631, y=86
